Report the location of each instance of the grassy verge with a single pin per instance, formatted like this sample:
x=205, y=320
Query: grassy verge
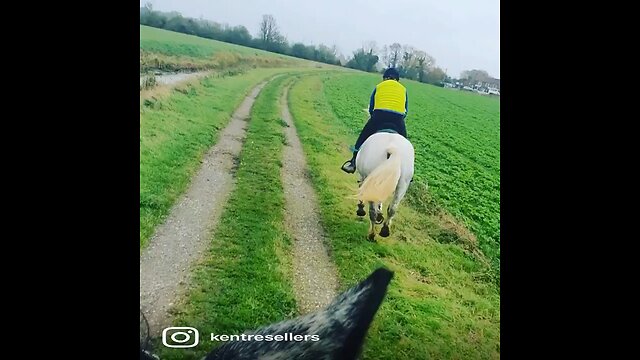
x=176, y=131
x=441, y=304
x=245, y=280
x=223, y=60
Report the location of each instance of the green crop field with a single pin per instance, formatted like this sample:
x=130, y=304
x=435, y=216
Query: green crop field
x=456, y=136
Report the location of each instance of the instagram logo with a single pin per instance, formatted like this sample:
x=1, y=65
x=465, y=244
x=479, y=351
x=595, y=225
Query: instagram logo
x=181, y=337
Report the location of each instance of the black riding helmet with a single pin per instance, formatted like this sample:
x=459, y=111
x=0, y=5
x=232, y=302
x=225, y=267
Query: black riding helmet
x=391, y=73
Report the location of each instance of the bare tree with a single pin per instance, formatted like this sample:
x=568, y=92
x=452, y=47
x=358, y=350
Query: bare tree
x=370, y=47
x=474, y=76
x=394, y=54
x=435, y=75
x=408, y=53
x=268, y=29
x=384, y=56
x=334, y=50
x=424, y=62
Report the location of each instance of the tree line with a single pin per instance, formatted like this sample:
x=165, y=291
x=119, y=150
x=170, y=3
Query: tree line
x=412, y=63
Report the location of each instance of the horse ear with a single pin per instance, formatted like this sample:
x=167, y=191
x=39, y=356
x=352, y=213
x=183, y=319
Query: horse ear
x=337, y=332
x=367, y=298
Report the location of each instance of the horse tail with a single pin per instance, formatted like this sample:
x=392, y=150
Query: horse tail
x=382, y=181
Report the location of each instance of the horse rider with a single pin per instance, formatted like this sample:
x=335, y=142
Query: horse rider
x=388, y=108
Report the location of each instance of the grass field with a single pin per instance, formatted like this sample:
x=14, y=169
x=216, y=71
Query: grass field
x=177, y=44
x=444, y=301
x=166, y=50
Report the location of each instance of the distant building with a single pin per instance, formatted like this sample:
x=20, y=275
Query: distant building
x=490, y=83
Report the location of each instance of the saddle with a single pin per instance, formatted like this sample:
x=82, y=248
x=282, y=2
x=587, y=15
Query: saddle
x=389, y=131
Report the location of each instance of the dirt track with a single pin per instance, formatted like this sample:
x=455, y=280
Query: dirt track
x=182, y=239
x=185, y=235
x=315, y=280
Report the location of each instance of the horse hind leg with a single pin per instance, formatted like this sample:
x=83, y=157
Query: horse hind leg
x=372, y=218
x=391, y=211
x=379, y=216
x=360, y=211
x=393, y=207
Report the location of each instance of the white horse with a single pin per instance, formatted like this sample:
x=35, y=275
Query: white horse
x=385, y=163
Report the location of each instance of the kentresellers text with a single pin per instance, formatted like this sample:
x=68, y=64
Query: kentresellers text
x=257, y=337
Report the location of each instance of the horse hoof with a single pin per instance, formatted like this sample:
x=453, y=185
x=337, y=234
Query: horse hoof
x=361, y=212
x=384, y=232
x=371, y=237
x=379, y=219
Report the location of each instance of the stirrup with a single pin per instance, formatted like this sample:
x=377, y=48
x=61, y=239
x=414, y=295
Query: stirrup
x=348, y=171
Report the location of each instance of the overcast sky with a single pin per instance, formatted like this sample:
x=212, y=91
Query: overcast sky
x=459, y=34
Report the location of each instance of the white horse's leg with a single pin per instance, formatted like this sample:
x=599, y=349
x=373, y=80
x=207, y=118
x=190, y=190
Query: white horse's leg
x=360, y=211
x=379, y=216
x=401, y=190
x=372, y=218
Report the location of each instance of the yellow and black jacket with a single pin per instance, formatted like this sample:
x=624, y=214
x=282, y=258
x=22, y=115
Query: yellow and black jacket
x=390, y=96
